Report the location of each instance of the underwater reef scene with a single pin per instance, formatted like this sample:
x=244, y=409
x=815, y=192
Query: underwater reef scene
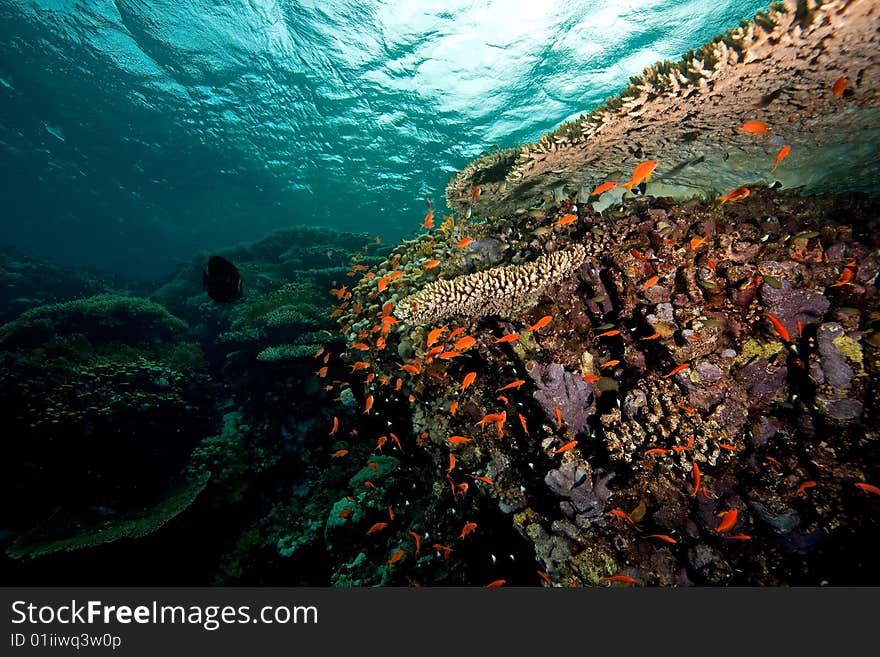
x=628, y=355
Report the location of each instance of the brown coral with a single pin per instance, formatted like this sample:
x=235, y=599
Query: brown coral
x=503, y=291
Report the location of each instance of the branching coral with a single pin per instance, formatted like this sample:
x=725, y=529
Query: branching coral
x=503, y=291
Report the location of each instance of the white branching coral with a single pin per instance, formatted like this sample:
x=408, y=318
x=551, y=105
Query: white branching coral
x=502, y=291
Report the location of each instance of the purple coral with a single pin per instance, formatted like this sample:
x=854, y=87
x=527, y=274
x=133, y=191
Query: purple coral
x=573, y=481
x=566, y=391
x=792, y=305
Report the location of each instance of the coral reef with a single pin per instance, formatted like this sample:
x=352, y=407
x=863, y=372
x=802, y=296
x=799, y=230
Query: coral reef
x=540, y=390
x=704, y=358
x=102, y=318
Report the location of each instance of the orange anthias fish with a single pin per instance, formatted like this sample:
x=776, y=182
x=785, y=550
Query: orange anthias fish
x=434, y=351
x=339, y=293
x=497, y=583
x=396, y=556
x=469, y=378
x=658, y=450
x=467, y=529
x=522, y=421
x=368, y=405
x=802, y=489
x=781, y=155
x=651, y=282
x=451, y=463
x=541, y=323
x=620, y=579
x=566, y=220
x=591, y=378
x=475, y=193
x=512, y=384
x=846, y=277
x=608, y=334
x=485, y=480
x=463, y=243
x=429, y=220
x=676, y=370
x=755, y=128
x=418, y=541
x=380, y=443
x=444, y=549
x=431, y=264
x=604, y=187
x=456, y=332
x=839, y=87
x=868, y=488
x=779, y=327
x=339, y=453
x=335, y=425
x=465, y=343
x=696, y=475
x=697, y=242
x=567, y=446
x=623, y=515
x=641, y=172
x=510, y=337
x=458, y=440
x=728, y=521
x=322, y=372
x=382, y=285
x=377, y=527
x=490, y=418
x=453, y=408
x=664, y=537
x=735, y=194
x=434, y=335
x=558, y=417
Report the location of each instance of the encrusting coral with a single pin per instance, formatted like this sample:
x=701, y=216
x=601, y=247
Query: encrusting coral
x=502, y=291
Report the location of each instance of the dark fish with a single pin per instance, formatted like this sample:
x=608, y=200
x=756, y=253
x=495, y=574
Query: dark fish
x=640, y=189
x=222, y=280
x=773, y=95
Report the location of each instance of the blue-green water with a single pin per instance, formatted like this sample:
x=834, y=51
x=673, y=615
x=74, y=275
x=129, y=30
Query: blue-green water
x=134, y=133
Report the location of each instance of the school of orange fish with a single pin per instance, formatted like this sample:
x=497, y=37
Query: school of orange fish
x=373, y=350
